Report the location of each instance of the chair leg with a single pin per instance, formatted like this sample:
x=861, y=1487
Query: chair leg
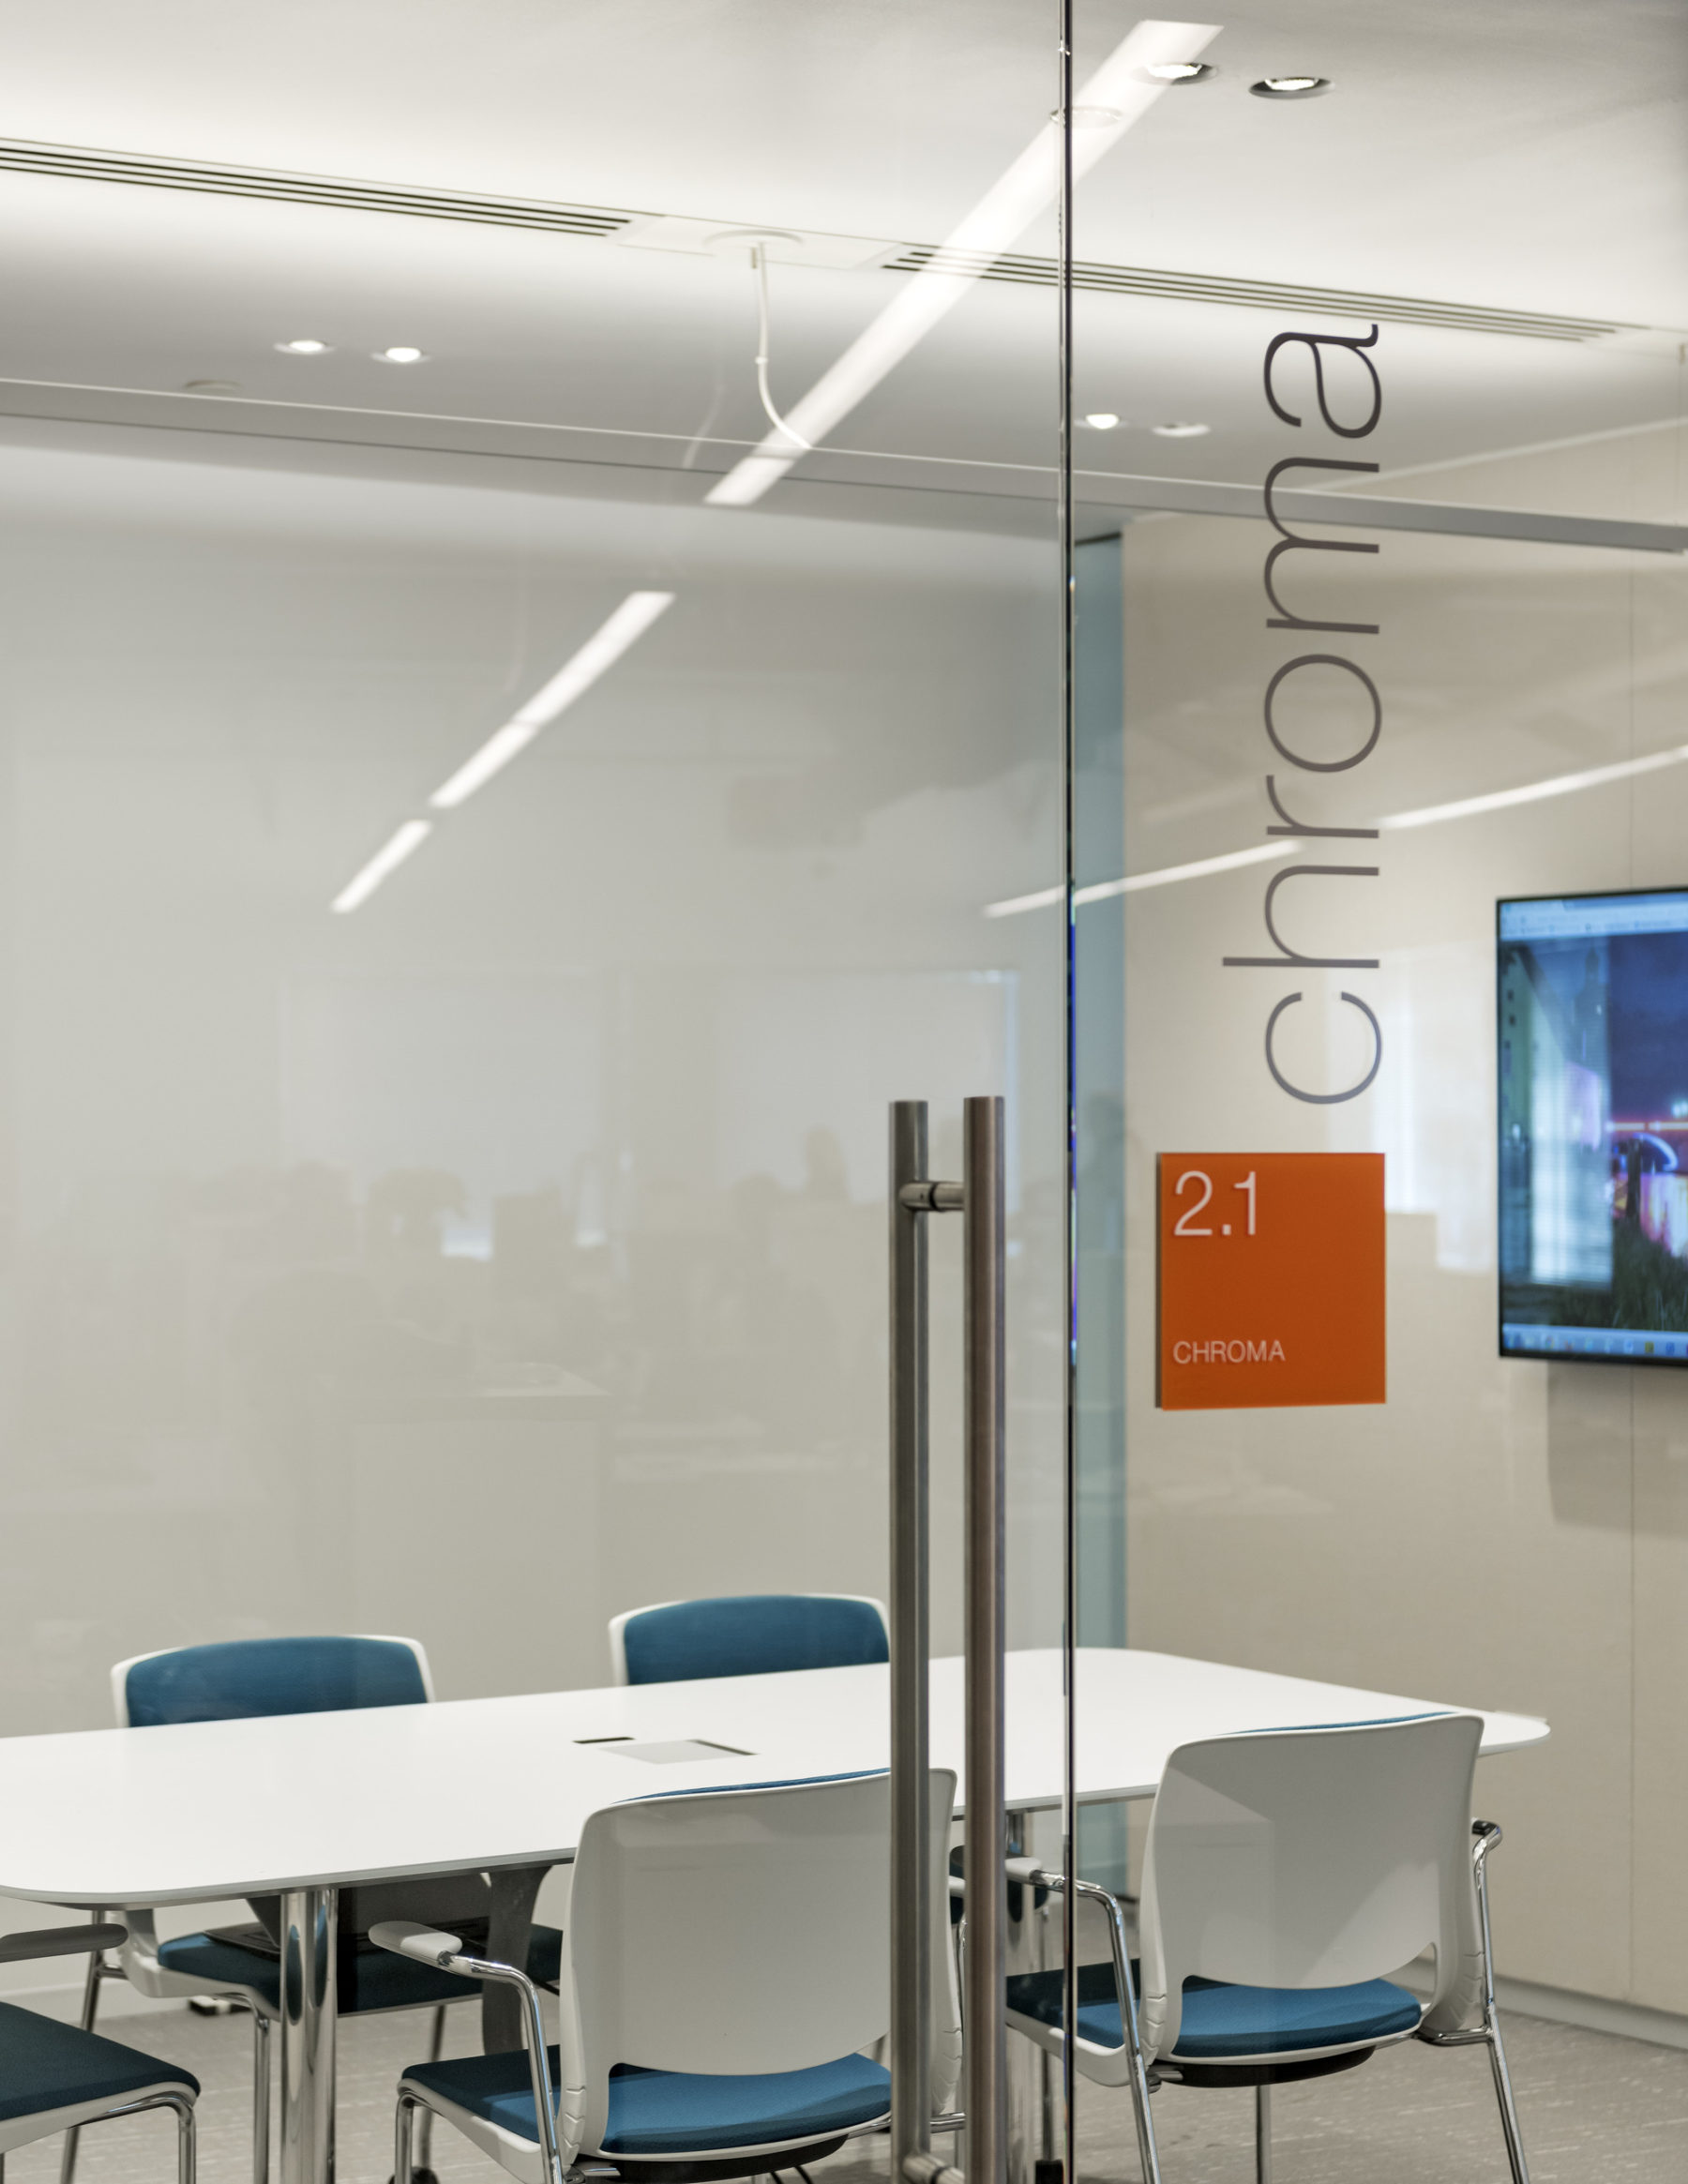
x=1125, y=1987
x=260, y=2096
x=436, y=2048
x=404, y=2118
x=1263, y=2134
x=90, y=2010
x=1486, y=1837
x=187, y=2130
x=1508, y=2112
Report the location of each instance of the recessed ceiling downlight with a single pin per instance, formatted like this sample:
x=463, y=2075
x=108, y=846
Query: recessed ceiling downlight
x=1181, y=431
x=402, y=354
x=1177, y=71
x=1100, y=420
x=1289, y=86
x=306, y=345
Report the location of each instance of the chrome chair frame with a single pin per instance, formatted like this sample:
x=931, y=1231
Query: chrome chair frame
x=444, y=1952
x=140, y=1967
x=96, y=1938
x=1145, y=2078
x=141, y=1947
x=1486, y=1836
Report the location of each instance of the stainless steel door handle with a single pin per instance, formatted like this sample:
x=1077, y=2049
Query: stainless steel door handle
x=979, y=1197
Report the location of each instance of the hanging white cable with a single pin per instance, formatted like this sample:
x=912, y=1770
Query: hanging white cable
x=759, y=262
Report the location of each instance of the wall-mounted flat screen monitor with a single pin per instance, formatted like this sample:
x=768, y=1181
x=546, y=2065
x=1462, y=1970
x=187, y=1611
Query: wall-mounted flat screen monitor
x=1593, y=1097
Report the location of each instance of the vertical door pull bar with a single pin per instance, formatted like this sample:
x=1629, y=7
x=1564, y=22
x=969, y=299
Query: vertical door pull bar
x=986, y=2031
x=980, y=1198
x=910, y=1645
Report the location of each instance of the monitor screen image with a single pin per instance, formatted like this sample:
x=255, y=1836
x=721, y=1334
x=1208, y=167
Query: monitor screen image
x=1593, y=1126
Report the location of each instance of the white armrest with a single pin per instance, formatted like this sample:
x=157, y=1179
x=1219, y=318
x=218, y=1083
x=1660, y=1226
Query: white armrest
x=425, y=1944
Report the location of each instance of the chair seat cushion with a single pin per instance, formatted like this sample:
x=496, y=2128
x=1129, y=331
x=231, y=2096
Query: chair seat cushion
x=378, y=1980
x=674, y=2112
x=46, y=2065
x=1224, y=2023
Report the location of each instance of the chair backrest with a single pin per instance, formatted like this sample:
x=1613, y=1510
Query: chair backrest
x=1312, y=1858
x=242, y=1677
x=246, y=1677
x=748, y=1634
x=741, y=1931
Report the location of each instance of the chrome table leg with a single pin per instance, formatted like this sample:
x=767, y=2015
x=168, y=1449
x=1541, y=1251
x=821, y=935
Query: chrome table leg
x=310, y=1918
x=261, y=2098
x=1263, y=2134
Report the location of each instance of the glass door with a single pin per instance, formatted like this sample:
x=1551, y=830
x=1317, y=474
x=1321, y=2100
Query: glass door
x=532, y=648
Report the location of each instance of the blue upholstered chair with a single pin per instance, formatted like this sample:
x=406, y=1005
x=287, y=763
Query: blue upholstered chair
x=1285, y=1874
x=727, y=1958
x=236, y=1682
x=54, y=2077
x=746, y=1633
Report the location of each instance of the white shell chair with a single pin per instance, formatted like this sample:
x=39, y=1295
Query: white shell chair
x=726, y=1962
x=1285, y=1874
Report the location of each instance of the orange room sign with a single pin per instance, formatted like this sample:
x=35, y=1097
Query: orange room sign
x=1270, y=1280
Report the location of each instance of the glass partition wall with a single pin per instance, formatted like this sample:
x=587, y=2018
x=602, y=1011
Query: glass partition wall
x=594, y=596
x=533, y=638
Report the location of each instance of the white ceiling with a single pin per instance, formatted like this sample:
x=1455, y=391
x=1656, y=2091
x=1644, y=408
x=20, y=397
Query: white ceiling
x=1529, y=154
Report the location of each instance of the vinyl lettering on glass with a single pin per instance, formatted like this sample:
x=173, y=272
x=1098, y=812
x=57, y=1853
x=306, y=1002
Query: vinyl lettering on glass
x=1285, y=586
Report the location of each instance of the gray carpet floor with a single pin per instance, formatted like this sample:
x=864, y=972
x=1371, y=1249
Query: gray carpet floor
x=1595, y=2110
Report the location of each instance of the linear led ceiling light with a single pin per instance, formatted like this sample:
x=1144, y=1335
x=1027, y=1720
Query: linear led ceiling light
x=403, y=843
x=599, y=653
x=1121, y=92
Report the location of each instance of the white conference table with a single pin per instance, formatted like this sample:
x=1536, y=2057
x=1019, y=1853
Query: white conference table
x=309, y=1802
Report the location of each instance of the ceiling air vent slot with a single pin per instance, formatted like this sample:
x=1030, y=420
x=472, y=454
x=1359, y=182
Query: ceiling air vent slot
x=1270, y=295
x=74, y=163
